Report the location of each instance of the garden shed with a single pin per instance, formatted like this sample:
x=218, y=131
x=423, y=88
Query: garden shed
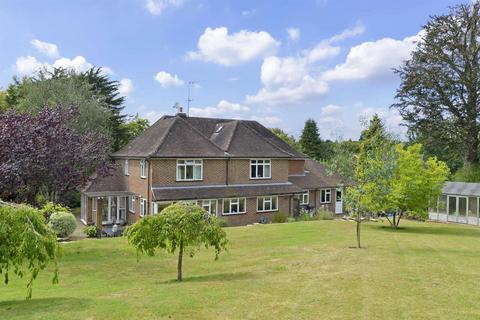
x=458, y=203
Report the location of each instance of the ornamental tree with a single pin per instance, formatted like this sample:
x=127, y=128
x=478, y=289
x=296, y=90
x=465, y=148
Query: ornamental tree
x=42, y=153
x=180, y=228
x=27, y=245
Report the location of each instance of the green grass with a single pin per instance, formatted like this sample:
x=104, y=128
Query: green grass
x=303, y=270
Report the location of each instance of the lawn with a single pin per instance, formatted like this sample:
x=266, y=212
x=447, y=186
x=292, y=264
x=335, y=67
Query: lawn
x=303, y=270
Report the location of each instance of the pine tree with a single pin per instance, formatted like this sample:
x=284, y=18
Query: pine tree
x=310, y=141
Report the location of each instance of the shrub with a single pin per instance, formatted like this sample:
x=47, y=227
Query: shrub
x=306, y=216
x=222, y=222
x=280, y=217
x=90, y=231
x=325, y=215
x=468, y=173
x=63, y=223
x=49, y=208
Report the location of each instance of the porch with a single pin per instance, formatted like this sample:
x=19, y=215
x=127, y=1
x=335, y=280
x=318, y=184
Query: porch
x=104, y=210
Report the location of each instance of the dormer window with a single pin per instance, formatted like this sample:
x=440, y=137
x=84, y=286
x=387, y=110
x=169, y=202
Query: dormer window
x=260, y=169
x=143, y=168
x=189, y=170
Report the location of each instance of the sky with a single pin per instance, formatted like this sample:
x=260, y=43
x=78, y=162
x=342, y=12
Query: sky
x=277, y=62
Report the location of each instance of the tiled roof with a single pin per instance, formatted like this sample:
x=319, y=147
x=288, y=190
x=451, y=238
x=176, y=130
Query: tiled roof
x=116, y=182
x=180, y=136
x=222, y=191
x=315, y=177
x=462, y=188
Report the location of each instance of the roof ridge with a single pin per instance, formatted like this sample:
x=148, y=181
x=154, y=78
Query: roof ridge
x=167, y=131
x=266, y=140
x=201, y=134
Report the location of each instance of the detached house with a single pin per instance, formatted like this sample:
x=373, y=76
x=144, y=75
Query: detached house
x=235, y=169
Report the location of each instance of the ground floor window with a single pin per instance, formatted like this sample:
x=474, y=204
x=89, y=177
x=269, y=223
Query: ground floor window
x=131, y=203
x=143, y=207
x=460, y=206
x=84, y=204
x=304, y=198
x=233, y=206
x=210, y=206
x=267, y=204
x=325, y=196
x=114, y=209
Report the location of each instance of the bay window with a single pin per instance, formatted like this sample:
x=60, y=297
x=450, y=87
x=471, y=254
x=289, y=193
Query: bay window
x=189, y=170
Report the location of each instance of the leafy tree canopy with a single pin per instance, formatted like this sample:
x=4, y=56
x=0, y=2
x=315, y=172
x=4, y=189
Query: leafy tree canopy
x=27, y=245
x=440, y=86
x=181, y=228
x=132, y=128
x=285, y=137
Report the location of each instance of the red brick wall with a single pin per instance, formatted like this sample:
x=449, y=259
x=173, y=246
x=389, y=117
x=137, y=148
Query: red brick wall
x=296, y=166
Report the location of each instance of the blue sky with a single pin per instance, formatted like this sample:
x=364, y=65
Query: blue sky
x=278, y=62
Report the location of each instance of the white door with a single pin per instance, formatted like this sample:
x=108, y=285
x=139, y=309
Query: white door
x=338, y=201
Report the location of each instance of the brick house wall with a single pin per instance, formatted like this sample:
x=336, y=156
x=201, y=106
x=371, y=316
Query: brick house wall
x=164, y=172
x=296, y=166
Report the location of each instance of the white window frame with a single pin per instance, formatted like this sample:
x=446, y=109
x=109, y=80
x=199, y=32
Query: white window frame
x=234, y=201
x=272, y=201
x=143, y=207
x=131, y=203
x=197, y=164
x=304, y=196
x=328, y=192
x=125, y=167
x=265, y=163
x=154, y=208
x=208, y=203
x=143, y=168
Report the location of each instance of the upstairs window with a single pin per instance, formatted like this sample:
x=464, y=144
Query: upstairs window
x=260, y=169
x=143, y=168
x=189, y=170
x=267, y=204
x=125, y=167
x=304, y=198
x=325, y=196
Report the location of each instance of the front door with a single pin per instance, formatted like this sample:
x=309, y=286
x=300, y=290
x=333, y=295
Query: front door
x=338, y=201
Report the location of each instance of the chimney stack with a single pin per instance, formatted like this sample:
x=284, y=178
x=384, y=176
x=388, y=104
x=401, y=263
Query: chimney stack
x=180, y=112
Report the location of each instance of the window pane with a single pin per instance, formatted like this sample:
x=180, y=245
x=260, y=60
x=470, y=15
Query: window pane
x=259, y=204
x=234, y=207
x=442, y=204
x=213, y=207
x=472, y=206
x=462, y=206
x=267, y=171
x=452, y=206
x=274, y=203
x=268, y=205
x=242, y=205
x=198, y=172
x=181, y=173
x=189, y=172
x=226, y=206
x=260, y=171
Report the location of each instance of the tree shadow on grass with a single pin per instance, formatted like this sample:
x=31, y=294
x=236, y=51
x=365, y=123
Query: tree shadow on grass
x=37, y=306
x=216, y=277
x=460, y=231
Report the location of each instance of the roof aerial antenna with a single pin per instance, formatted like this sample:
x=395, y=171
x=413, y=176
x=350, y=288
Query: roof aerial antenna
x=190, y=83
x=177, y=107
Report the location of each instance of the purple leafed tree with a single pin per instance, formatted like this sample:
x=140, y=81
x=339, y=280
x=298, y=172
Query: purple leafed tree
x=42, y=153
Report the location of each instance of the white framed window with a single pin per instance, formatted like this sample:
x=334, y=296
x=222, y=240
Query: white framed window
x=260, y=169
x=125, y=167
x=233, y=206
x=131, y=203
x=267, y=204
x=143, y=207
x=143, y=168
x=189, y=170
x=154, y=207
x=325, y=195
x=210, y=206
x=305, y=198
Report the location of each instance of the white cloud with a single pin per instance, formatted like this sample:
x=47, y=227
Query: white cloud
x=28, y=65
x=247, y=13
x=268, y=121
x=46, y=48
x=152, y=116
x=330, y=109
x=223, y=108
x=293, y=33
x=156, y=7
x=294, y=79
x=373, y=59
x=77, y=64
x=126, y=87
x=168, y=80
x=217, y=46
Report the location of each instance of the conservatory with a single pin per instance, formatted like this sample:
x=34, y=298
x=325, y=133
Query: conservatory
x=458, y=203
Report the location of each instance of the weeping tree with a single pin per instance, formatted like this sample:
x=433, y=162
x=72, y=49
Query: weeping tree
x=439, y=94
x=27, y=245
x=181, y=228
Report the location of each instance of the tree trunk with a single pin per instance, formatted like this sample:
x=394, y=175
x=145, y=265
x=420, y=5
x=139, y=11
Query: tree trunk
x=358, y=231
x=180, y=258
x=398, y=220
x=394, y=225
